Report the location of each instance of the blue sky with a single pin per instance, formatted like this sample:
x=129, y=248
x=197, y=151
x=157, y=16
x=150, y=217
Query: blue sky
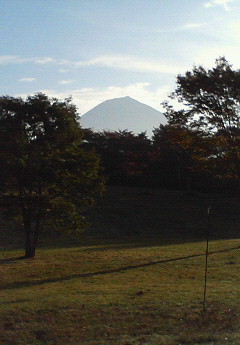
x=96, y=50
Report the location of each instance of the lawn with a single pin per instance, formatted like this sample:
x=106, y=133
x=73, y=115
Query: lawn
x=121, y=294
x=121, y=291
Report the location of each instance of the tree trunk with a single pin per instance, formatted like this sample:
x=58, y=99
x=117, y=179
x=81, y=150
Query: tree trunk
x=30, y=246
x=31, y=237
x=30, y=251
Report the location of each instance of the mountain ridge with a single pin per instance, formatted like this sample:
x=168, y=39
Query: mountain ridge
x=124, y=113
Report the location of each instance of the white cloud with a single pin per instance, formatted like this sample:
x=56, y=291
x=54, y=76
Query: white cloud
x=87, y=98
x=224, y=3
x=143, y=29
x=63, y=70
x=234, y=29
x=133, y=63
x=194, y=25
x=66, y=82
x=124, y=62
x=231, y=53
x=13, y=59
x=43, y=60
x=28, y=80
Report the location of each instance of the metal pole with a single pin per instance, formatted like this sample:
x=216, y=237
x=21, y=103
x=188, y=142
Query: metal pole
x=206, y=257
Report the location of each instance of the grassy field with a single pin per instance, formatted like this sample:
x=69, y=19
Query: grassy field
x=121, y=291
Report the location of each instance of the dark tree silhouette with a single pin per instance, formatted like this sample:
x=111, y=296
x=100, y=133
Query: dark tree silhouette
x=211, y=105
x=47, y=178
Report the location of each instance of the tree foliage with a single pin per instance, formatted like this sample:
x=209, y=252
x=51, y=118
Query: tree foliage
x=176, y=148
x=47, y=178
x=211, y=105
x=175, y=157
x=124, y=154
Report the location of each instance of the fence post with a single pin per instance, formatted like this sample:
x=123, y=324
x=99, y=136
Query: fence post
x=206, y=257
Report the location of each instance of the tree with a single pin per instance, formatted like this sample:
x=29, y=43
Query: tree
x=211, y=100
x=175, y=155
x=183, y=153
x=124, y=154
x=47, y=178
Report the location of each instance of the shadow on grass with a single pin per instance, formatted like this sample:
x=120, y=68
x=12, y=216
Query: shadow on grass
x=55, y=241
x=10, y=260
x=20, y=300
x=16, y=285
x=157, y=241
x=115, y=243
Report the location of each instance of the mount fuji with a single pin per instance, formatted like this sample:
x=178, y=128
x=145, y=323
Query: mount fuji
x=123, y=113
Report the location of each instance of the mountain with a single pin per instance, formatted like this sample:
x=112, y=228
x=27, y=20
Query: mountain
x=123, y=113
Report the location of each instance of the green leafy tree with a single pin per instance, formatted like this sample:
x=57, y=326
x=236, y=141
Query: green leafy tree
x=211, y=105
x=124, y=154
x=175, y=156
x=47, y=177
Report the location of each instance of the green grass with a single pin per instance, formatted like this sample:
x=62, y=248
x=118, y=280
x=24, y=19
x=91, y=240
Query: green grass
x=125, y=290
x=95, y=295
